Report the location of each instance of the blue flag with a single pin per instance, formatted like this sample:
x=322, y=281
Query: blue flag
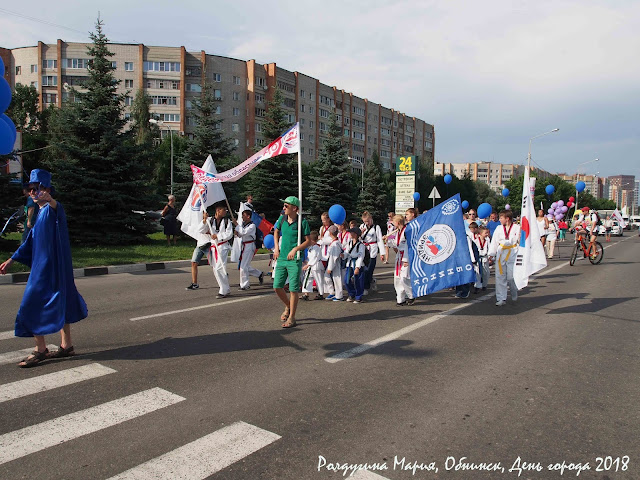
x=439, y=254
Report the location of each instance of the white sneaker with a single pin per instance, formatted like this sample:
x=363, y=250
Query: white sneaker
x=500, y=303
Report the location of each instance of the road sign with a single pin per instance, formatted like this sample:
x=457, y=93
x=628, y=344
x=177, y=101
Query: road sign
x=405, y=182
x=433, y=195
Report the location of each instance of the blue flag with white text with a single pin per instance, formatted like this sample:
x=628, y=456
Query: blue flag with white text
x=439, y=254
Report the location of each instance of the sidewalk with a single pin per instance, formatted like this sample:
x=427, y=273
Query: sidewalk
x=134, y=267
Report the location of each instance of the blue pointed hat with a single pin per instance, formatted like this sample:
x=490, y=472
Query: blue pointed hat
x=42, y=177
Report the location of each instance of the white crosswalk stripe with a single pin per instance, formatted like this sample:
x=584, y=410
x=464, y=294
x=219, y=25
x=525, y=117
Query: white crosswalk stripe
x=15, y=357
x=7, y=335
x=205, y=456
x=42, y=383
x=32, y=439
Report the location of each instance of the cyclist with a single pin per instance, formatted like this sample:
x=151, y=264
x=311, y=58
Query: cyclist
x=588, y=225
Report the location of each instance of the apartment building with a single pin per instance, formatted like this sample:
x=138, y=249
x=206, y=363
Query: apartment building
x=173, y=78
x=593, y=183
x=493, y=174
x=622, y=191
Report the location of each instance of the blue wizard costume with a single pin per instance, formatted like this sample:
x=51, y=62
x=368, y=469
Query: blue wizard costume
x=51, y=298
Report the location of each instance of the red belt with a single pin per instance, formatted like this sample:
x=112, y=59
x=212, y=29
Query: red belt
x=370, y=243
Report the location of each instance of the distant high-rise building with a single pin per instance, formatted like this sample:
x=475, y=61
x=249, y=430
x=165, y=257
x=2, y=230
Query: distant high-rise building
x=622, y=191
x=493, y=174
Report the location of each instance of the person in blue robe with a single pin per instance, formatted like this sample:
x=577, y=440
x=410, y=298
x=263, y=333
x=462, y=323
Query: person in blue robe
x=51, y=301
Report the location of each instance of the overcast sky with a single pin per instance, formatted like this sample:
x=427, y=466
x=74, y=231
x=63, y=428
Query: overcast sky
x=489, y=75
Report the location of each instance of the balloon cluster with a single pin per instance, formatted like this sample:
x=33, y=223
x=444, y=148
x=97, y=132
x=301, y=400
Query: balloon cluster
x=7, y=127
x=571, y=202
x=558, y=210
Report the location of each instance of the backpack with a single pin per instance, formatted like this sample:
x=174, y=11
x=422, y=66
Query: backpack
x=598, y=219
x=367, y=256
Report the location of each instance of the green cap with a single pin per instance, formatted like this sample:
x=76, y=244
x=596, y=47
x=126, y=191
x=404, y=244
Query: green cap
x=291, y=200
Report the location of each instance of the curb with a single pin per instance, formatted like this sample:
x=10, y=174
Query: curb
x=22, y=277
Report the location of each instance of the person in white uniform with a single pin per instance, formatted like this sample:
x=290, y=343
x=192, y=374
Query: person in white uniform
x=221, y=231
x=401, y=276
x=324, y=240
x=247, y=233
x=313, y=269
x=504, y=248
x=334, y=265
x=373, y=241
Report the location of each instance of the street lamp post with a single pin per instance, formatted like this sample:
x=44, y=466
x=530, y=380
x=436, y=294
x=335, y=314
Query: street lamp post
x=361, y=170
x=161, y=123
x=585, y=163
x=531, y=139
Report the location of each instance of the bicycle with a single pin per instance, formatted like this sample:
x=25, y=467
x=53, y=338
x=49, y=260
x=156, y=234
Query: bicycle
x=596, y=255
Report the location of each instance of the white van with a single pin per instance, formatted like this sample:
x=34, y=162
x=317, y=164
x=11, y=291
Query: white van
x=634, y=221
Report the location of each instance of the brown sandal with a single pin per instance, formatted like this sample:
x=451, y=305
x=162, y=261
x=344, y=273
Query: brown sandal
x=33, y=359
x=289, y=324
x=285, y=314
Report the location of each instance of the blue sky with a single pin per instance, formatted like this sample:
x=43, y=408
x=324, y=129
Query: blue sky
x=489, y=75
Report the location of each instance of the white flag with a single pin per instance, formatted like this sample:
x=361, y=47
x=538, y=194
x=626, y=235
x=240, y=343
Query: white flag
x=201, y=196
x=616, y=215
x=530, y=257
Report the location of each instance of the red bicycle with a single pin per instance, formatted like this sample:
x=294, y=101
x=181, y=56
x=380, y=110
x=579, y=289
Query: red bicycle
x=593, y=251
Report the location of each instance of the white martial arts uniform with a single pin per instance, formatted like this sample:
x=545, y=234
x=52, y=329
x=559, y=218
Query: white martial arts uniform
x=220, y=250
x=504, y=248
x=482, y=278
x=247, y=251
x=334, y=265
x=324, y=241
x=401, y=276
x=315, y=270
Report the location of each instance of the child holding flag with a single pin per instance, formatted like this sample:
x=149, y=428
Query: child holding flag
x=503, y=248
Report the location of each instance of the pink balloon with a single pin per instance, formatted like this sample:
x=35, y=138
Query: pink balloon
x=507, y=207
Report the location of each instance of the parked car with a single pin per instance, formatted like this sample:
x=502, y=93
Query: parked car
x=616, y=231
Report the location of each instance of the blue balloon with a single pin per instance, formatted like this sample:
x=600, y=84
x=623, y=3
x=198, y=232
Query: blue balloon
x=484, y=210
x=416, y=196
x=447, y=179
x=580, y=186
x=337, y=214
x=505, y=192
x=6, y=139
x=12, y=126
x=268, y=241
x=5, y=95
x=550, y=189
x=465, y=204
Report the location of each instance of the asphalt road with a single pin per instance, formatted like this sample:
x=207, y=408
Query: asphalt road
x=170, y=381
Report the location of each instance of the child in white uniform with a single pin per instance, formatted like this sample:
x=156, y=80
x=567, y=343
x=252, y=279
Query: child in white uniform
x=401, y=276
x=247, y=232
x=221, y=232
x=334, y=265
x=313, y=270
x=504, y=248
x=482, y=242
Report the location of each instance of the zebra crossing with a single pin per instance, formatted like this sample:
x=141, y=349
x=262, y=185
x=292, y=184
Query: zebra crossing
x=198, y=459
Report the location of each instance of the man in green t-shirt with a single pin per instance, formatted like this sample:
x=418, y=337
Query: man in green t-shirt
x=286, y=228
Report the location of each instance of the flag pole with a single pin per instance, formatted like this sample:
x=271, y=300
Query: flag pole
x=299, y=195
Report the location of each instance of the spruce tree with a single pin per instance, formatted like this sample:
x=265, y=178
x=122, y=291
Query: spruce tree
x=374, y=197
x=332, y=182
x=208, y=139
x=100, y=174
x=276, y=178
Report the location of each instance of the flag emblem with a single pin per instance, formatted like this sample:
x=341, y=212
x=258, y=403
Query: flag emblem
x=199, y=196
x=450, y=207
x=524, y=231
x=436, y=244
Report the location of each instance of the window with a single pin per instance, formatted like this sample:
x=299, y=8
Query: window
x=236, y=80
x=236, y=142
x=128, y=66
x=358, y=135
x=357, y=123
x=49, y=80
x=167, y=117
x=311, y=138
x=347, y=132
x=311, y=151
x=302, y=93
x=358, y=148
x=191, y=121
x=236, y=112
x=260, y=112
x=217, y=77
x=128, y=101
x=163, y=100
x=428, y=145
x=346, y=121
x=34, y=85
x=258, y=127
x=114, y=65
x=18, y=70
x=188, y=104
x=311, y=110
x=128, y=84
x=301, y=136
x=235, y=127
x=302, y=107
x=161, y=66
x=287, y=87
x=49, y=98
x=34, y=68
x=217, y=94
x=323, y=127
x=260, y=81
x=384, y=154
x=327, y=101
x=50, y=64
x=358, y=111
x=259, y=98
x=310, y=123
x=192, y=87
x=324, y=113
x=217, y=110
x=236, y=96
x=289, y=102
x=291, y=118
x=75, y=62
x=385, y=131
x=302, y=122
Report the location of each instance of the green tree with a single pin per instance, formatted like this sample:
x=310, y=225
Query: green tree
x=100, y=174
x=332, y=182
x=143, y=130
x=208, y=139
x=275, y=178
x=374, y=197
